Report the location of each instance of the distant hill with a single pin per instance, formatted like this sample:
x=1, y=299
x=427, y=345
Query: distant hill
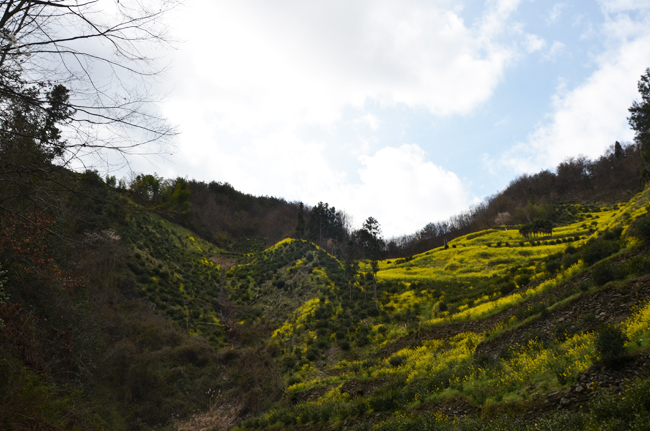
x=226, y=216
x=613, y=177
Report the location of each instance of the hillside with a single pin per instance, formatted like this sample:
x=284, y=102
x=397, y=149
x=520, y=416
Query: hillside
x=494, y=324
x=115, y=317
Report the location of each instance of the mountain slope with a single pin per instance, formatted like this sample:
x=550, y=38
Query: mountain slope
x=496, y=321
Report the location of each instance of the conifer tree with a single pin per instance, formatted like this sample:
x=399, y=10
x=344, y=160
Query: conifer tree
x=300, y=225
x=618, y=150
x=373, y=247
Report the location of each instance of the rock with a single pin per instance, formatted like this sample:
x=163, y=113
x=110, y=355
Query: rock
x=579, y=388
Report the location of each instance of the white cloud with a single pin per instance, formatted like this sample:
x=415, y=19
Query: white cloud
x=591, y=117
x=533, y=43
x=555, y=13
x=403, y=191
x=369, y=120
x=614, y=6
x=258, y=63
x=556, y=49
x=256, y=79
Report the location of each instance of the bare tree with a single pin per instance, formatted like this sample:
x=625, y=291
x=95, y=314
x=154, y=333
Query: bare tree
x=103, y=53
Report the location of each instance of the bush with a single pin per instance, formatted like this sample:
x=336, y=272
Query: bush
x=610, y=344
x=596, y=250
x=613, y=234
x=362, y=340
x=639, y=265
x=569, y=260
x=570, y=250
x=642, y=228
x=605, y=272
x=553, y=266
x=508, y=287
x=312, y=354
x=522, y=280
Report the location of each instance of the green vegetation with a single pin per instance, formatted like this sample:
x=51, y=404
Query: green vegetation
x=437, y=310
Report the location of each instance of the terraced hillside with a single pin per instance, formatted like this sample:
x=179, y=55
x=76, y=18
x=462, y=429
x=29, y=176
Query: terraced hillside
x=491, y=329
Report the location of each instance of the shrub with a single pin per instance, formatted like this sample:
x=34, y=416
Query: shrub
x=553, y=266
x=508, y=287
x=642, y=228
x=570, y=250
x=312, y=354
x=605, y=272
x=639, y=265
x=610, y=344
x=522, y=280
x=322, y=344
x=362, y=340
x=596, y=250
x=613, y=234
x=569, y=260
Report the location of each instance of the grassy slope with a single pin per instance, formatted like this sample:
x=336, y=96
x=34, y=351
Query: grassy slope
x=177, y=272
x=435, y=310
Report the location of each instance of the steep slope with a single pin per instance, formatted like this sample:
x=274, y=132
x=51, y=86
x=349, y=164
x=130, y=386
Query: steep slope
x=492, y=323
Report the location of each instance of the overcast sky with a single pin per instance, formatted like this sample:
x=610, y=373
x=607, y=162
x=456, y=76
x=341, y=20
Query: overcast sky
x=407, y=111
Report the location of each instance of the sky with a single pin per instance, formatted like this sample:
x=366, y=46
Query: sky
x=406, y=111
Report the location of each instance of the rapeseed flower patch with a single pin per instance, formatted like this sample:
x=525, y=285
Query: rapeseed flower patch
x=637, y=326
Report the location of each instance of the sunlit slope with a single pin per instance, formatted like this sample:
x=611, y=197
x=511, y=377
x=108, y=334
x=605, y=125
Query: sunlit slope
x=486, y=253
x=280, y=279
x=344, y=358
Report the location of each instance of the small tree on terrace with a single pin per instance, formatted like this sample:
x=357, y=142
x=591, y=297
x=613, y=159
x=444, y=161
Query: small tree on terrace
x=373, y=247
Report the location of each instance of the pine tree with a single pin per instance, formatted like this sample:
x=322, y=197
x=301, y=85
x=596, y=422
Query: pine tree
x=618, y=150
x=373, y=247
x=300, y=225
